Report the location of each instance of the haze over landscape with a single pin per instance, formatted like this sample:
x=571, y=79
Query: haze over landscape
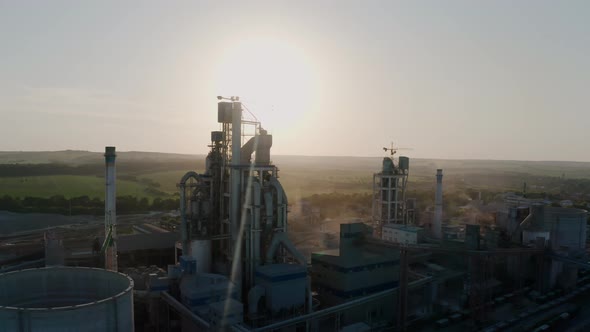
x=331, y=165
x=453, y=79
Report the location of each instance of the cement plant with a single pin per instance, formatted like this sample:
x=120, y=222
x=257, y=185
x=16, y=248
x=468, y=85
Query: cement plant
x=235, y=262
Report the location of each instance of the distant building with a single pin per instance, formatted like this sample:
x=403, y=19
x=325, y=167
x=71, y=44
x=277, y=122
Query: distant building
x=453, y=232
x=402, y=233
x=353, y=271
x=566, y=203
x=564, y=230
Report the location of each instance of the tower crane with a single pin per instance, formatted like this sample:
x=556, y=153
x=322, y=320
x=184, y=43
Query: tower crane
x=393, y=150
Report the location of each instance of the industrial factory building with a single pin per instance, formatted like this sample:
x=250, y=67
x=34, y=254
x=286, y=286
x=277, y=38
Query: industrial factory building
x=233, y=267
x=354, y=269
x=402, y=233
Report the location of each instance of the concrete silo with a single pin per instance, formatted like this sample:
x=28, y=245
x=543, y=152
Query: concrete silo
x=66, y=299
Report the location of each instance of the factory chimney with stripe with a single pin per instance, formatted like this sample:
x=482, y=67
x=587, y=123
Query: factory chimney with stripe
x=438, y=207
x=109, y=246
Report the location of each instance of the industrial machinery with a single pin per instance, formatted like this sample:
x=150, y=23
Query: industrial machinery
x=234, y=220
x=389, y=191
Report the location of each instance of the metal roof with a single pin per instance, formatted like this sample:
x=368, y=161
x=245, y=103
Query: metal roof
x=406, y=228
x=147, y=241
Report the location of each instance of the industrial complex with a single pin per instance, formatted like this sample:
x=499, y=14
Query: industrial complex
x=232, y=265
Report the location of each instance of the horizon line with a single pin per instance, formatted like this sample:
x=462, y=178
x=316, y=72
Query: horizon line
x=297, y=155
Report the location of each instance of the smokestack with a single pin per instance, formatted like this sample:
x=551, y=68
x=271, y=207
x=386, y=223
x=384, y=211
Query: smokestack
x=110, y=222
x=438, y=207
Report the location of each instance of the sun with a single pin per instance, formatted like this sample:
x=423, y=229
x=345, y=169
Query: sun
x=275, y=79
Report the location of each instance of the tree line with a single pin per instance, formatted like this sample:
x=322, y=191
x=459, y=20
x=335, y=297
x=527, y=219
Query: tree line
x=85, y=205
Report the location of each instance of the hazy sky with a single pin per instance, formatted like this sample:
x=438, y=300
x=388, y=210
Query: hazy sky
x=450, y=79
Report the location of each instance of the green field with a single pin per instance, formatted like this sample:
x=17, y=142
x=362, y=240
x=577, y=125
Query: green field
x=67, y=185
x=296, y=182
x=150, y=175
x=167, y=180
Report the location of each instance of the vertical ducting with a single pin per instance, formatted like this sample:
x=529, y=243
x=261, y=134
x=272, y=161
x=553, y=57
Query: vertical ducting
x=110, y=209
x=184, y=226
x=236, y=141
x=236, y=195
x=268, y=204
x=281, y=238
x=438, y=207
x=256, y=230
x=281, y=203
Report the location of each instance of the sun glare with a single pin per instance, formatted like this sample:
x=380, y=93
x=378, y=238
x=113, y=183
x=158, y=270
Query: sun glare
x=274, y=79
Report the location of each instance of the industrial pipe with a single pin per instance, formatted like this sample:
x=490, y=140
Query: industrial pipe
x=281, y=203
x=257, y=192
x=268, y=203
x=261, y=144
x=236, y=178
x=184, y=233
x=253, y=238
x=247, y=150
x=235, y=193
x=281, y=238
x=183, y=310
x=534, y=210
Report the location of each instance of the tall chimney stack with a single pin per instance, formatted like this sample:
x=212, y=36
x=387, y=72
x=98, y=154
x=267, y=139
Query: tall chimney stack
x=438, y=207
x=110, y=222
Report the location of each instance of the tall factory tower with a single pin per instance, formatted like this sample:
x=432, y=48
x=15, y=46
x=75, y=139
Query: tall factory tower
x=438, y=206
x=234, y=215
x=389, y=192
x=110, y=222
